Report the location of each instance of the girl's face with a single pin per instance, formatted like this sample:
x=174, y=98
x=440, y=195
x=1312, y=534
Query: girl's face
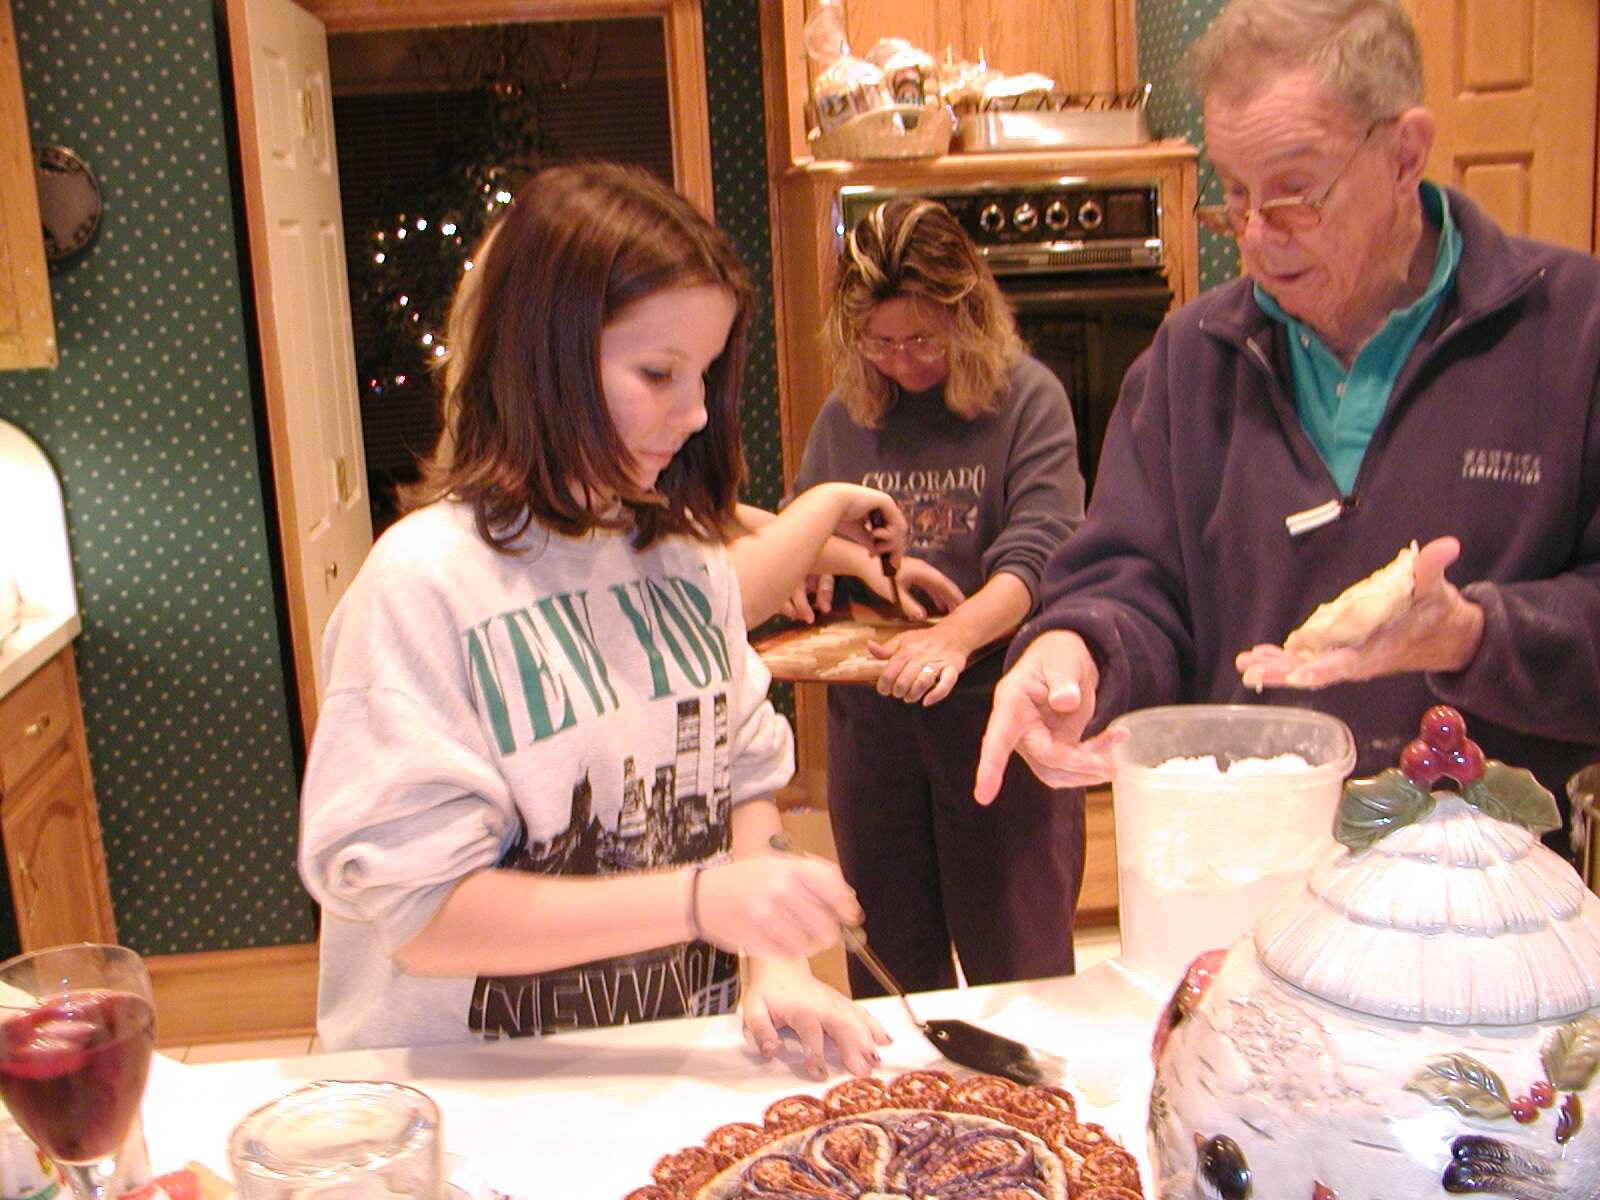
x=905, y=338
x=654, y=355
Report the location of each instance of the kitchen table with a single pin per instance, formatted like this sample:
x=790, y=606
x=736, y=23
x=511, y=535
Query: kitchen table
x=587, y=1114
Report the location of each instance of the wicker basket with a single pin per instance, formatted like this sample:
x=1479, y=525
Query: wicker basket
x=902, y=131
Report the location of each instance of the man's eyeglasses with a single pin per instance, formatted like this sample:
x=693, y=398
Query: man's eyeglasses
x=922, y=347
x=1286, y=214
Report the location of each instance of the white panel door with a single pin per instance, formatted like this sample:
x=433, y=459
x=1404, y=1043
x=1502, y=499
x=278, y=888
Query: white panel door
x=303, y=312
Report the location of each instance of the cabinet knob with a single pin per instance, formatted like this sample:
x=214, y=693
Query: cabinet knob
x=38, y=727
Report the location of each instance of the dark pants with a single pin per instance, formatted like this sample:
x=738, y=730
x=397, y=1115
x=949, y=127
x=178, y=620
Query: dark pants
x=929, y=865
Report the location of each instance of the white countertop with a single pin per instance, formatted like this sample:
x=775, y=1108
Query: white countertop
x=34, y=552
x=35, y=642
x=588, y=1114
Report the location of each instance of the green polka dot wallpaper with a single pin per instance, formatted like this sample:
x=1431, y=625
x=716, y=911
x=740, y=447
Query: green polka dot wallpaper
x=739, y=164
x=148, y=420
x=1166, y=27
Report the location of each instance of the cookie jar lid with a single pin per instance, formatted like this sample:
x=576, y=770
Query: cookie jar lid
x=1454, y=919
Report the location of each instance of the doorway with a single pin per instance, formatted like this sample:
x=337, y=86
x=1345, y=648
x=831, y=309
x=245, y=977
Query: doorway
x=279, y=56
x=433, y=126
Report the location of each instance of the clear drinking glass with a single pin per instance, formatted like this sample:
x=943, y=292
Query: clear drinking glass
x=77, y=1029
x=335, y=1138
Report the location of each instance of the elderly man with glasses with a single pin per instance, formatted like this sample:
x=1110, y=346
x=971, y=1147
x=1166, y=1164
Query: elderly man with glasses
x=1391, y=366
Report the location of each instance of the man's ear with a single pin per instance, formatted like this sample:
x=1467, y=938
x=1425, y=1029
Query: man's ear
x=1413, y=138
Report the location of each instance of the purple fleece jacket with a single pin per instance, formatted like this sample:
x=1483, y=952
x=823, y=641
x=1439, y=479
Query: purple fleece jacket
x=1492, y=434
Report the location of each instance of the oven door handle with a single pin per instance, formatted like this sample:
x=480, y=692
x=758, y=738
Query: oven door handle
x=1123, y=295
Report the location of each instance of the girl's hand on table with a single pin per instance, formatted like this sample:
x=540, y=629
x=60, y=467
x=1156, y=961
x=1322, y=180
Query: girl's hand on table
x=922, y=664
x=785, y=995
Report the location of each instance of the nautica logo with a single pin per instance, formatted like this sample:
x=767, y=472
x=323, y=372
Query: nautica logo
x=1500, y=466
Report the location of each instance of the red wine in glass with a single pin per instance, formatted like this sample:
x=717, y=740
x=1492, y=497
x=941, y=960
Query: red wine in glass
x=77, y=1030
x=73, y=1069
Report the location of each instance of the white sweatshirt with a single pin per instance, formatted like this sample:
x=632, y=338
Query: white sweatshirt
x=575, y=708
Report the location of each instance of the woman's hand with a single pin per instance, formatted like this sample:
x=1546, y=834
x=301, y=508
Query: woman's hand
x=772, y=906
x=785, y=995
x=922, y=664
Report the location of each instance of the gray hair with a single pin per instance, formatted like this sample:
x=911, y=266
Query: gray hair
x=1365, y=52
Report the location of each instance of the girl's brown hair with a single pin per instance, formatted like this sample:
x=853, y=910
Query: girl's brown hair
x=528, y=435
x=916, y=249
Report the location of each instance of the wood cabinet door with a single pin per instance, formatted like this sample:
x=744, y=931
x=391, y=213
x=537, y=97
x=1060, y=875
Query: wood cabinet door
x=1084, y=45
x=1514, y=85
x=27, y=327
x=55, y=859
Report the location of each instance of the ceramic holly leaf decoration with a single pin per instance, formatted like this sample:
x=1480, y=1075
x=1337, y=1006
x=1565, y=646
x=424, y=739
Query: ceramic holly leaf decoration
x=1465, y=1084
x=1513, y=795
x=1571, y=1054
x=1371, y=809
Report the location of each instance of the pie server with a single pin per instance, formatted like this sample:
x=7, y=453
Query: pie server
x=958, y=1041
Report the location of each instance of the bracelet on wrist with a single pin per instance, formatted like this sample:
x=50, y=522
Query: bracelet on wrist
x=695, y=931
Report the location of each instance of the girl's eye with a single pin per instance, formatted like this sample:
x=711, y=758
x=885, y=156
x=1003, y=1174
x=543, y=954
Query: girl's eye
x=657, y=374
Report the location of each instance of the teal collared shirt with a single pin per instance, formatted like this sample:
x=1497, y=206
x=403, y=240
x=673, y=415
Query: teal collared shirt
x=1340, y=408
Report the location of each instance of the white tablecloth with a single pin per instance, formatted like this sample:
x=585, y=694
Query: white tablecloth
x=588, y=1114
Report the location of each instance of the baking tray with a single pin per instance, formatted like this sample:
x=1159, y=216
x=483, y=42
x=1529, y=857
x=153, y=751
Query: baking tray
x=1043, y=129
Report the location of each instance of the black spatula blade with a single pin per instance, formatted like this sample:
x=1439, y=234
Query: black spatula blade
x=981, y=1050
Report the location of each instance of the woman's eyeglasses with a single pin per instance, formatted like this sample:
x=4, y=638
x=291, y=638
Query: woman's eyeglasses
x=922, y=347
x=1286, y=214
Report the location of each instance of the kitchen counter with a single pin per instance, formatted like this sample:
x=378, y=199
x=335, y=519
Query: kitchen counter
x=587, y=1114
x=34, y=643
x=33, y=551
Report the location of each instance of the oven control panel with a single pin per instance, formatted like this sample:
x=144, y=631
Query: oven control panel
x=1054, y=225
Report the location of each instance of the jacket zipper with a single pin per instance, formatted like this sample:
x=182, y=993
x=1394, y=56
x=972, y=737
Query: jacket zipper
x=1315, y=518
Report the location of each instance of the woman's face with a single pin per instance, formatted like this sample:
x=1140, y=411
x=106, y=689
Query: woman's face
x=906, y=338
x=654, y=356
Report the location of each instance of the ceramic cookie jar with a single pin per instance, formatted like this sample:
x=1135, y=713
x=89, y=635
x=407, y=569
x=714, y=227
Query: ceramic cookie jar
x=1420, y=1019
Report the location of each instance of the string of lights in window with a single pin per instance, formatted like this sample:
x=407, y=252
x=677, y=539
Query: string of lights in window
x=416, y=254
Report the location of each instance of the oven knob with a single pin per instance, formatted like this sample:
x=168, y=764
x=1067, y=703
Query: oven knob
x=1057, y=216
x=1090, y=214
x=991, y=219
x=1025, y=217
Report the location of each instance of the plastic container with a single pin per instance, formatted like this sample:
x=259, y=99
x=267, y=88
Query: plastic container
x=1203, y=848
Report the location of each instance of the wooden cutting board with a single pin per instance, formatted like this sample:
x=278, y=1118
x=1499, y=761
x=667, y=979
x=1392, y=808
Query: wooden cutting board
x=834, y=650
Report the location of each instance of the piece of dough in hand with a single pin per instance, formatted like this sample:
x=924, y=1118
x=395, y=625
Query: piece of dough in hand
x=1359, y=611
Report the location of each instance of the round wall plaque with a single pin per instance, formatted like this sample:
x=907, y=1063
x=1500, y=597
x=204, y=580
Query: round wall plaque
x=69, y=202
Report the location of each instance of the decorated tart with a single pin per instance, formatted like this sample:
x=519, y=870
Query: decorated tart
x=921, y=1134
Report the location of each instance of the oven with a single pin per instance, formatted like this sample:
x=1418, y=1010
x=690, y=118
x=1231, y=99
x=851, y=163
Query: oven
x=1082, y=264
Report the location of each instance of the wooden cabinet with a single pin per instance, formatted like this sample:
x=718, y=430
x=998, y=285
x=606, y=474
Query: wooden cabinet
x=1084, y=45
x=49, y=823
x=27, y=327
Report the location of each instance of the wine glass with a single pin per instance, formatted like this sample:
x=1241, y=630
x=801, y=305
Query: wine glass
x=77, y=1029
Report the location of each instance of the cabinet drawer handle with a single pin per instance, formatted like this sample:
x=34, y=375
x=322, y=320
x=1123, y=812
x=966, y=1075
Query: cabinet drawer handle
x=38, y=727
